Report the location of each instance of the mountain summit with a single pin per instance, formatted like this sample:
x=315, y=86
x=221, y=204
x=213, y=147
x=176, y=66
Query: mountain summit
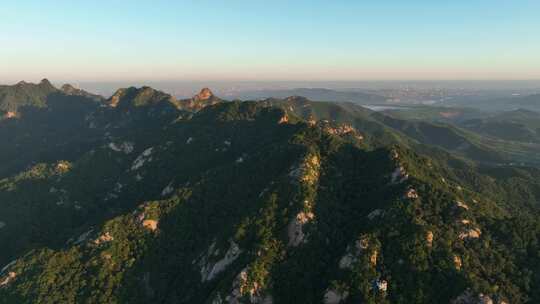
x=204, y=94
x=199, y=101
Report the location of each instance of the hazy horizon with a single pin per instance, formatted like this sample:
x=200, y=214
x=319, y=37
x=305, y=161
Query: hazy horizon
x=237, y=89
x=255, y=41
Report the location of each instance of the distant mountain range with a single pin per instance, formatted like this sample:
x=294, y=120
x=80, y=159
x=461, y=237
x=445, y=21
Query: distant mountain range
x=316, y=94
x=530, y=102
x=144, y=198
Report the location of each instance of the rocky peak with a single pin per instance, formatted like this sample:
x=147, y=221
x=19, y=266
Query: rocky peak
x=45, y=83
x=297, y=99
x=204, y=94
x=139, y=97
x=68, y=88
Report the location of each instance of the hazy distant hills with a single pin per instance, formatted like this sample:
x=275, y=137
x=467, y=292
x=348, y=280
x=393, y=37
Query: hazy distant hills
x=143, y=198
x=530, y=102
x=316, y=94
x=518, y=125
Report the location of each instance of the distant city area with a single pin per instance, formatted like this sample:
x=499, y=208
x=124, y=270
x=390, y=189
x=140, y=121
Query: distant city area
x=401, y=92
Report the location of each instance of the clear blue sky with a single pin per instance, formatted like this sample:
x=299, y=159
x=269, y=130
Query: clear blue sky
x=269, y=40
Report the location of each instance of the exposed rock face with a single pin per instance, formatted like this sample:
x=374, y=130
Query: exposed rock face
x=150, y=224
x=199, y=101
x=142, y=159
x=209, y=269
x=68, y=89
x=241, y=287
x=63, y=167
x=308, y=170
x=10, y=114
x=204, y=94
x=114, y=100
x=10, y=277
x=295, y=229
x=168, y=189
x=333, y=296
x=411, y=194
x=470, y=234
x=353, y=253
x=125, y=147
x=469, y=298
x=83, y=237
x=399, y=175
x=338, y=129
x=375, y=213
x=104, y=238
x=381, y=285
x=462, y=205
x=373, y=257
x=284, y=119
x=429, y=238
x=458, y=263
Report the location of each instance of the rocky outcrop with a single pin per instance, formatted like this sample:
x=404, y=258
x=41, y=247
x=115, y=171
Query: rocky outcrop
x=468, y=297
x=429, y=239
x=144, y=157
x=458, y=263
x=470, y=234
x=168, y=189
x=62, y=167
x=354, y=253
x=308, y=170
x=339, y=129
x=381, y=285
x=399, y=175
x=295, y=228
x=151, y=225
x=204, y=94
x=125, y=147
x=8, y=278
x=104, y=238
x=68, y=89
x=210, y=269
x=375, y=213
x=201, y=100
x=11, y=114
x=333, y=296
x=411, y=194
x=462, y=205
x=242, y=287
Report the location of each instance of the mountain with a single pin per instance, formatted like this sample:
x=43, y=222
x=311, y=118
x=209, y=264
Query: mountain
x=43, y=123
x=382, y=129
x=199, y=101
x=279, y=201
x=518, y=125
x=317, y=94
x=24, y=94
x=71, y=90
x=529, y=102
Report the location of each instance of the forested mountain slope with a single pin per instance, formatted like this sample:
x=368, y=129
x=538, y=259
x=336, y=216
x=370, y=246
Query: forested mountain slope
x=208, y=201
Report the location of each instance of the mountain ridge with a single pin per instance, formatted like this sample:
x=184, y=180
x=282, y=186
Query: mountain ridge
x=278, y=201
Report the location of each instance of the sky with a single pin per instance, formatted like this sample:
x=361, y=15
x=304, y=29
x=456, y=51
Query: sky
x=204, y=40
